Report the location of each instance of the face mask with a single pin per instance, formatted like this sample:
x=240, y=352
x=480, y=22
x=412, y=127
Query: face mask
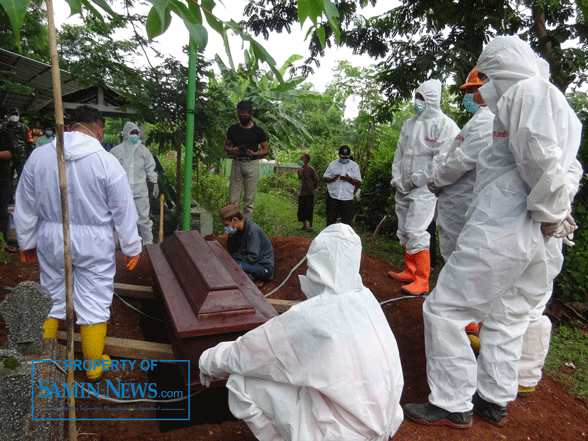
x=343, y=160
x=48, y=132
x=244, y=120
x=230, y=229
x=134, y=139
x=469, y=104
x=301, y=163
x=14, y=118
x=86, y=127
x=419, y=106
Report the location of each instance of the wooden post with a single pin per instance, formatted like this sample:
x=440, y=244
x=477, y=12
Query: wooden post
x=59, y=126
x=161, y=198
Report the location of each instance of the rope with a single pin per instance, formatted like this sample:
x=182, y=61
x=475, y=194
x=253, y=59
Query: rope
x=139, y=311
x=286, y=279
x=424, y=296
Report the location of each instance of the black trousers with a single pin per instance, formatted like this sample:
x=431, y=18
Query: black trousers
x=305, y=208
x=337, y=208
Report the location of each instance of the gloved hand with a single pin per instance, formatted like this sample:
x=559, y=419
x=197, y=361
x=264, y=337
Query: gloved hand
x=567, y=227
x=132, y=261
x=559, y=230
x=205, y=379
x=567, y=240
x=155, y=190
x=28, y=256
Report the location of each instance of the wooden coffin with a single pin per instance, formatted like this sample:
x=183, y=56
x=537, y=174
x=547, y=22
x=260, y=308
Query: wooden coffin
x=206, y=298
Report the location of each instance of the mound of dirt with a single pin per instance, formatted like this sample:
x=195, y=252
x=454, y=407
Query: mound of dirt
x=549, y=414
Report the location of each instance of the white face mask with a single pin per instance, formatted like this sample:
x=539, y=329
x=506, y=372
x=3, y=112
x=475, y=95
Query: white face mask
x=14, y=118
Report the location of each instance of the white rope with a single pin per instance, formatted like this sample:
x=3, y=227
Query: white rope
x=286, y=279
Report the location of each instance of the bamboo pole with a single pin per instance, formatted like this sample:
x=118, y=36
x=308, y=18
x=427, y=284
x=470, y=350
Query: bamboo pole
x=189, y=137
x=59, y=126
x=161, y=198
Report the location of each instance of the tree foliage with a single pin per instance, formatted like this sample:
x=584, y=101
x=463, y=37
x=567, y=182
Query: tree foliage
x=268, y=95
x=426, y=39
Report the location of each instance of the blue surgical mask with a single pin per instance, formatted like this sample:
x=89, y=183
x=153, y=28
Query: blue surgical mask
x=134, y=139
x=469, y=103
x=48, y=132
x=301, y=163
x=419, y=106
x=343, y=160
x=230, y=230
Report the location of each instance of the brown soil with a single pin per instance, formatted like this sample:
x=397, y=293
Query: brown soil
x=549, y=414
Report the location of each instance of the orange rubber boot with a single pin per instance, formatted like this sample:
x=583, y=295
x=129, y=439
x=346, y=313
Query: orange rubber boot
x=423, y=268
x=407, y=275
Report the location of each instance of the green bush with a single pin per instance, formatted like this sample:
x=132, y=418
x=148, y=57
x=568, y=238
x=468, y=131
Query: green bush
x=572, y=282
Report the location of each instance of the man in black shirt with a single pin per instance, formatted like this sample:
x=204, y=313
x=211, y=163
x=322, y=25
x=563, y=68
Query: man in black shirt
x=242, y=144
x=6, y=154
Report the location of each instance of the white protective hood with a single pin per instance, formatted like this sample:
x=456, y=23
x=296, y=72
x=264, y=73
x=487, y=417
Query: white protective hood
x=333, y=263
x=336, y=347
x=431, y=91
x=506, y=61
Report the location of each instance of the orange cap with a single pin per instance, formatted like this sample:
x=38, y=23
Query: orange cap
x=473, y=79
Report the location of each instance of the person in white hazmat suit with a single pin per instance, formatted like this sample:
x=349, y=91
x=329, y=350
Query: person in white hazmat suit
x=499, y=270
x=453, y=178
x=100, y=201
x=328, y=368
x=139, y=165
x=424, y=137
x=538, y=335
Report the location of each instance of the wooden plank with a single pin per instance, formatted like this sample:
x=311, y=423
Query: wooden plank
x=125, y=348
x=282, y=305
x=135, y=291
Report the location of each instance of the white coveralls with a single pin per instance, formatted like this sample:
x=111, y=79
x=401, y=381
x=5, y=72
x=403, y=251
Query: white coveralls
x=499, y=270
x=100, y=201
x=456, y=173
x=422, y=138
x=139, y=165
x=327, y=369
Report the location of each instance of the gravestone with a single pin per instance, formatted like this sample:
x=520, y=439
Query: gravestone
x=21, y=369
x=25, y=310
x=15, y=393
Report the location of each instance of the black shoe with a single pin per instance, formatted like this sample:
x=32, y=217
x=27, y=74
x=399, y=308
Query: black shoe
x=431, y=415
x=490, y=412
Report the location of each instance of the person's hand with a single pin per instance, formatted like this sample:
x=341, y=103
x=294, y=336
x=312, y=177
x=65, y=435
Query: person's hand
x=346, y=178
x=567, y=227
x=155, y=190
x=132, y=261
x=205, y=379
x=561, y=229
x=28, y=256
x=433, y=188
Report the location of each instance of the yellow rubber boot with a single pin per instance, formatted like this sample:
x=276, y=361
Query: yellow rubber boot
x=406, y=276
x=93, y=339
x=50, y=327
x=423, y=268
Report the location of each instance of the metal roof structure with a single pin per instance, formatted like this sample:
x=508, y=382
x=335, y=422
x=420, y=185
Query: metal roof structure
x=37, y=75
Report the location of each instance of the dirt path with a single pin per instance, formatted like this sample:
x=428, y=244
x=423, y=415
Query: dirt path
x=549, y=414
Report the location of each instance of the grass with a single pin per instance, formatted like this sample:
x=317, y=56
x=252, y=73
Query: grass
x=568, y=351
